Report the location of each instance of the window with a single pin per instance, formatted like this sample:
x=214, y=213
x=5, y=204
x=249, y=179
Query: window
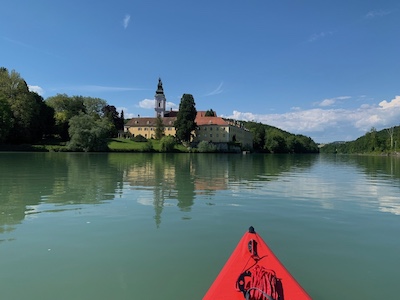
x=140, y=128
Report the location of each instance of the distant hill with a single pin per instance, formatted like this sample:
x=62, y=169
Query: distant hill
x=271, y=139
x=384, y=141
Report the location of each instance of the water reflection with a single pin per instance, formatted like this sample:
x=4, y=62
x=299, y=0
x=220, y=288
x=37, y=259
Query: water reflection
x=27, y=180
x=380, y=177
x=32, y=183
x=183, y=177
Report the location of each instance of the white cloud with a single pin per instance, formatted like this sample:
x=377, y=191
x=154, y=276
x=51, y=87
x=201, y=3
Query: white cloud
x=171, y=105
x=327, y=102
x=351, y=123
x=37, y=89
x=377, y=13
x=317, y=36
x=332, y=101
x=126, y=21
x=217, y=91
x=147, y=104
x=392, y=104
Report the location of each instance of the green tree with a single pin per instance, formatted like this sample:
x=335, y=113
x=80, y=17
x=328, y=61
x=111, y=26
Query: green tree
x=6, y=119
x=88, y=133
x=24, y=107
x=31, y=117
x=111, y=113
x=43, y=123
x=185, y=122
x=259, y=137
x=210, y=113
x=160, y=128
x=122, y=121
x=276, y=142
x=65, y=108
x=93, y=106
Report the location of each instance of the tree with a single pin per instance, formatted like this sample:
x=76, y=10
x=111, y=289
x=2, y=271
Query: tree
x=122, y=121
x=24, y=105
x=185, y=123
x=6, y=119
x=65, y=108
x=88, y=133
x=390, y=132
x=276, y=142
x=160, y=128
x=210, y=113
x=111, y=113
x=259, y=137
x=43, y=121
x=93, y=106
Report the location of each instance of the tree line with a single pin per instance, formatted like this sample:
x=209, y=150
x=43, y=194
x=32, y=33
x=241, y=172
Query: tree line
x=383, y=141
x=270, y=139
x=87, y=123
x=84, y=123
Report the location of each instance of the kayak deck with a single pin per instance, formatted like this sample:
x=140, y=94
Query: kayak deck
x=252, y=253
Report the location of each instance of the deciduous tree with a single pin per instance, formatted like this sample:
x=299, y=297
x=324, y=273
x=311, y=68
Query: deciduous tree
x=88, y=133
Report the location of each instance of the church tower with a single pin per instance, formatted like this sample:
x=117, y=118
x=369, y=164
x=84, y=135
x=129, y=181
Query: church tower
x=160, y=101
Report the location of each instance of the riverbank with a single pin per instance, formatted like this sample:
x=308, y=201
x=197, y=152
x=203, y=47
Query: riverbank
x=114, y=145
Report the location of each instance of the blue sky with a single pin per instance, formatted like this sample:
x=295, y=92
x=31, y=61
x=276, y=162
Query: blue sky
x=326, y=69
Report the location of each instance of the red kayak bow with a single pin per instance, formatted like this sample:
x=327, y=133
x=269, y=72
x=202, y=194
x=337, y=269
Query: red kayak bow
x=253, y=272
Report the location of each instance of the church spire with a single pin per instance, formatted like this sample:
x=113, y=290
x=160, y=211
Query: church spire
x=160, y=101
x=160, y=89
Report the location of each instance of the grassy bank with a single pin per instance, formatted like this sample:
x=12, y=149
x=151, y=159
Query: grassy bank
x=114, y=145
x=127, y=145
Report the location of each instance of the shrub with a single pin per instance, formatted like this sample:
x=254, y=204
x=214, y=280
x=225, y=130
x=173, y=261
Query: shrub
x=148, y=147
x=205, y=146
x=139, y=138
x=167, y=144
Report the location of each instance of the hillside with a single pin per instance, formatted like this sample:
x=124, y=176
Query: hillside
x=274, y=140
x=383, y=141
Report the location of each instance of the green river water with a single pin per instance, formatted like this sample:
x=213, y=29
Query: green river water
x=161, y=226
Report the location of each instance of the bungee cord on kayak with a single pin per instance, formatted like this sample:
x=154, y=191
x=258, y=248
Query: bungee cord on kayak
x=253, y=272
x=263, y=282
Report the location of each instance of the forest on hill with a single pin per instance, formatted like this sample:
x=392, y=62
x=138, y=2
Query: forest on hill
x=378, y=142
x=271, y=139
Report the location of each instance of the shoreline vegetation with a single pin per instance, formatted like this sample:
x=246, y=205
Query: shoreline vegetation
x=115, y=145
x=64, y=123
